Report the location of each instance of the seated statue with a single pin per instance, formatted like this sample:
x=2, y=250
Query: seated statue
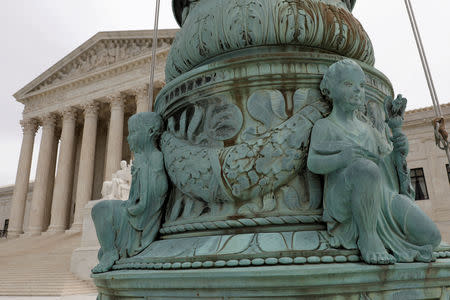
x=125, y=228
x=362, y=204
x=119, y=186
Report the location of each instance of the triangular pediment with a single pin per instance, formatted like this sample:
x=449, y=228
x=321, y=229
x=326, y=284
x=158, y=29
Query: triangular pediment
x=103, y=50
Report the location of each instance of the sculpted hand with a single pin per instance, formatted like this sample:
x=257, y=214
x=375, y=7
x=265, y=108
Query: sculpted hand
x=395, y=122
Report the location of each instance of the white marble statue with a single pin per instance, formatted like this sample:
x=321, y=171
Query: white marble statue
x=119, y=186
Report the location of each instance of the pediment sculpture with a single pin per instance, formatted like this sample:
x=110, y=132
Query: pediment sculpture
x=102, y=54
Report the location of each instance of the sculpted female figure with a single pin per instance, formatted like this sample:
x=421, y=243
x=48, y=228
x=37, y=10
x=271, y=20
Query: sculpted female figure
x=125, y=228
x=362, y=205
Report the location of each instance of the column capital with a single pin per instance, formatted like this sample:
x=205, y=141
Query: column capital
x=90, y=109
x=48, y=120
x=29, y=125
x=69, y=113
x=116, y=101
x=141, y=91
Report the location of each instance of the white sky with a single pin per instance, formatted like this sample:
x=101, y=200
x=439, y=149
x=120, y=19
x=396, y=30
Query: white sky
x=37, y=34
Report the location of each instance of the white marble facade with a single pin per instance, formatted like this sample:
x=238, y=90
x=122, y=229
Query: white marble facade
x=425, y=155
x=82, y=105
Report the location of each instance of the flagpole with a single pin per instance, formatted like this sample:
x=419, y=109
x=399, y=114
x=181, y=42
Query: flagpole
x=437, y=108
x=423, y=58
x=153, y=63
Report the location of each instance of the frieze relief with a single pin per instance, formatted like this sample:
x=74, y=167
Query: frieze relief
x=218, y=154
x=102, y=54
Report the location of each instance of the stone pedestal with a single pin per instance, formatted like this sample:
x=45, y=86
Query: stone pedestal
x=84, y=258
x=295, y=281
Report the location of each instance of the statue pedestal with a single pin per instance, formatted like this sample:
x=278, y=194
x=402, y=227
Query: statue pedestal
x=84, y=258
x=324, y=281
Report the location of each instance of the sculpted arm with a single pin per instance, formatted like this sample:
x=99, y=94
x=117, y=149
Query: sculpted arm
x=321, y=158
x=326, y=154
x=324, y=163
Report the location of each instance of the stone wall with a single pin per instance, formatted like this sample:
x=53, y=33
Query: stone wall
x=6, y=193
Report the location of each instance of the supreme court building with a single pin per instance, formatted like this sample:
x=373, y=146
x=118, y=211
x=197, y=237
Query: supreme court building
x=82, y=105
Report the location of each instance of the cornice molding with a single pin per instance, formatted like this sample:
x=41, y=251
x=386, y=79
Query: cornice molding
x=52, y=95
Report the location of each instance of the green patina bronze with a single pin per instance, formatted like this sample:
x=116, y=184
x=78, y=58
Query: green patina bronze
x=363, y=206
x=274, y=142
x=125, y=228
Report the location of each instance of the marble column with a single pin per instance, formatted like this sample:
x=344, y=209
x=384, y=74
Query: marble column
x=19, y=198
x=51, y=179
x=39, y=199
x=115, y=137
x=64, y=177
x=86, y=167
x=141, y=94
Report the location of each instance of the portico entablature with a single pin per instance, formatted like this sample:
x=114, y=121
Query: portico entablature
x=108, y=63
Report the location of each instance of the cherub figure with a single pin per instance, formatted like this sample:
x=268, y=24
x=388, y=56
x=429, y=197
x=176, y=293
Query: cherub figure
x=362, y=205
x=395, y=113
x=125, y=228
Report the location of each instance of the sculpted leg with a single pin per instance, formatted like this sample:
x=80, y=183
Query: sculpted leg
x=364, y=178
x=103, y=217
x=417, y=226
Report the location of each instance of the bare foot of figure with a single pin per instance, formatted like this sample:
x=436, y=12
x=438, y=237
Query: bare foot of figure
x=106, y=261
x=373, y=251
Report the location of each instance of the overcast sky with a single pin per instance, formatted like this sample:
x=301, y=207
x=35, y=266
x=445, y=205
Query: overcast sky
x=37, y=34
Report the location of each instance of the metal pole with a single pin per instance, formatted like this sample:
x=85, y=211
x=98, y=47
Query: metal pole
x=423, y=58
x=426, y=68
x=153, y=64
x=447, y=150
